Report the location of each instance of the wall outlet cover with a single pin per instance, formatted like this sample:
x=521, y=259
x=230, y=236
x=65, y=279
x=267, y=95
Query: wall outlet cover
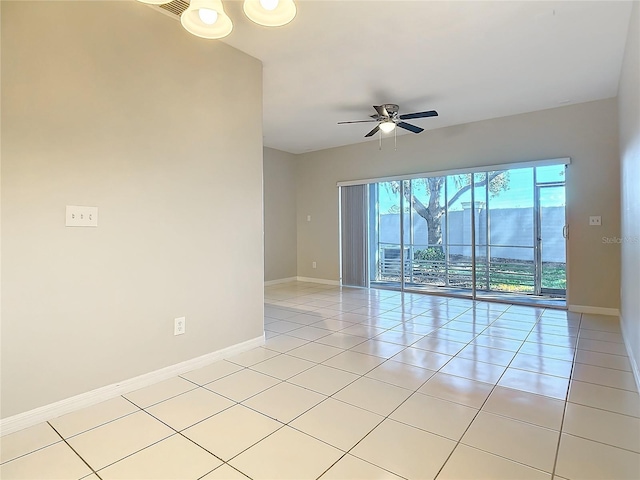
x=179, y=326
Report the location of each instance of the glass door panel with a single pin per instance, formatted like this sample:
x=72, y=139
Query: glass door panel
x=412, y=270
x=553, y=260
x=386, y=243
x=511, y=231
x=481, y=231
x=458, y=245
x=424, y=235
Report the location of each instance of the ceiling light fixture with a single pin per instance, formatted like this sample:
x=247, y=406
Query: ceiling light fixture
x=387, y=126
x=270, y=13
x=206, y=19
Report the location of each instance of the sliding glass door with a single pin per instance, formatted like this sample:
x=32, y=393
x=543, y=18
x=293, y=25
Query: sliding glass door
x=480, y=234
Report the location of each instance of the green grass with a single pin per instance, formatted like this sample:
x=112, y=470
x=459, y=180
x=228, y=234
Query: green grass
x=503, y=277
x=554, y=277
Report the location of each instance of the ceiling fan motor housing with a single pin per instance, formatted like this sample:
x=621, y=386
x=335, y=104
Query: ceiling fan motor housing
x=391, y=108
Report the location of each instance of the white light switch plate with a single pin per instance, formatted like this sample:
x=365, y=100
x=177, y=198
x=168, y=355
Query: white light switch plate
x=80, y=216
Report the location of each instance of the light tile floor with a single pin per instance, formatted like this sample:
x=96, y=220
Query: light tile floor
x=358, y=384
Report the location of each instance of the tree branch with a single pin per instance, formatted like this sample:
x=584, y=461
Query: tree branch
x=466, y=188
x=418, y=206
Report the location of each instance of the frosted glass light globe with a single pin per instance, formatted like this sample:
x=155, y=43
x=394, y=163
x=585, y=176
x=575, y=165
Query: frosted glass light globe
x=270, y=13
x=269, y=4
x=208, y=16
x=387, y=126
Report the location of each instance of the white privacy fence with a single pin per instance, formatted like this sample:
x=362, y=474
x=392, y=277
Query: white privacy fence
x=510, y=235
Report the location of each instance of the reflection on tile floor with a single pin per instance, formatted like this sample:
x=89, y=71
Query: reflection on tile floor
x=364, y=384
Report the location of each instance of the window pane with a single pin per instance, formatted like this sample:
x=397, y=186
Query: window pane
x=550, y=174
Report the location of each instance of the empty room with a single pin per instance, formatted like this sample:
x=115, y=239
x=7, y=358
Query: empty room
x=320, y=239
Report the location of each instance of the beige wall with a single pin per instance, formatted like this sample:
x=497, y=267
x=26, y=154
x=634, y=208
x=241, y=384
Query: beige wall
x=587, y=133
x=629, y=107
x=280, y=237
x=114, y=105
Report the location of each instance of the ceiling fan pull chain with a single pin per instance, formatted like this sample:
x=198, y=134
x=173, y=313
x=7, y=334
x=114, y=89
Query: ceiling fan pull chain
x=380, y=147
x=395, y=139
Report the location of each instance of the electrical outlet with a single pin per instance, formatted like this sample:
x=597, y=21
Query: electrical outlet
x=179, y=326
x=595, y=220
x=313, y=264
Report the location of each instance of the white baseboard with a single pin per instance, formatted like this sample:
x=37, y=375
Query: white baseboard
x=280, y=280
x=595, y=310
x=302, y=279
x=632, y=359
x=318, y=280
x=47, y=412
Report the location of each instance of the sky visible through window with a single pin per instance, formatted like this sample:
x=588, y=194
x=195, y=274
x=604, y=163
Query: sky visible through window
x=519, y=193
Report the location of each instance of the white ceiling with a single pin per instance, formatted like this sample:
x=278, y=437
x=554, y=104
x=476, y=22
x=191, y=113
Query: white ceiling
x=469, y=61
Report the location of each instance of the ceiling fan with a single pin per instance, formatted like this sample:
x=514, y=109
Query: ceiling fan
x=388, y=119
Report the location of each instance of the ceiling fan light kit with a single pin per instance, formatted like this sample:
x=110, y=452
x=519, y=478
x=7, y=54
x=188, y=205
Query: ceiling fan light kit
x=207, y=19
x=387, y=126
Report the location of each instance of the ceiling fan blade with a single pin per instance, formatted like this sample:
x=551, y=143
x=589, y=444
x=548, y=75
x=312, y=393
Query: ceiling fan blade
x=408, y=116
x=411, y=128
x=381, y=110
x=358, y=121
x=373, y=132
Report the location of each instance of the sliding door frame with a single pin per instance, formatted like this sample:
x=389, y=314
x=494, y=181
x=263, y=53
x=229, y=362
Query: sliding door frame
x=467, y=171
x=539, y=289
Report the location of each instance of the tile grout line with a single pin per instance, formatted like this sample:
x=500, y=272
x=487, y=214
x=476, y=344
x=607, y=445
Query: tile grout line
x=635, y=452
x=566, y=405
x=360, y=376
x=416, y=391
x=75, y=451
x=411, y=395
x=483, y=404
x=601, y=410
x=390, y=413
x=607, y=386
x=283, y=424
x=179, y=432
x=220, y=466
